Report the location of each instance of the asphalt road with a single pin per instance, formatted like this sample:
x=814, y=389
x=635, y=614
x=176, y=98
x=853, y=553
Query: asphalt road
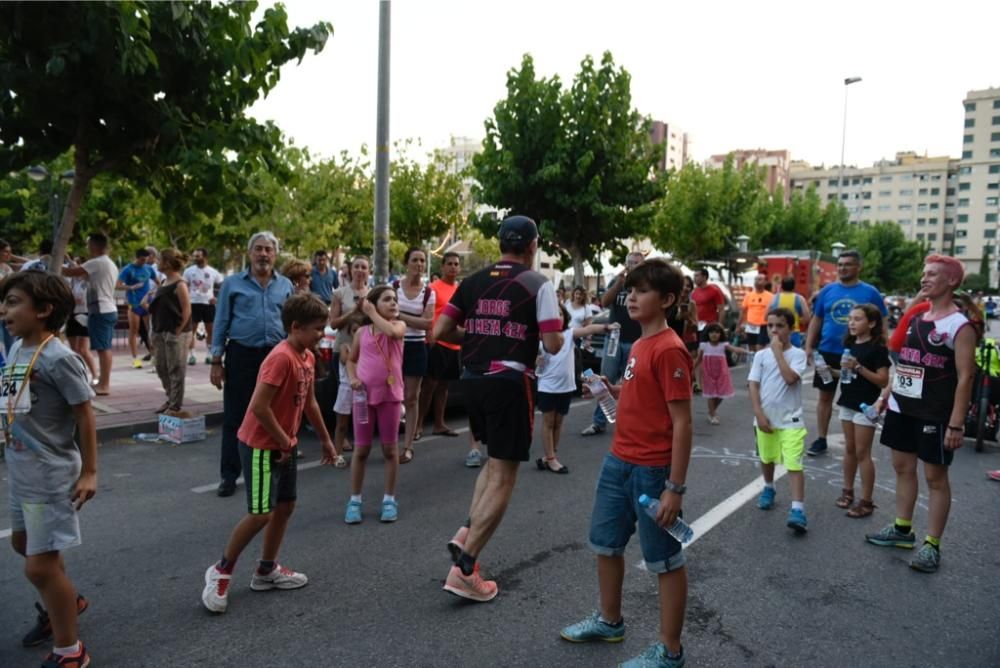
x=759, y=595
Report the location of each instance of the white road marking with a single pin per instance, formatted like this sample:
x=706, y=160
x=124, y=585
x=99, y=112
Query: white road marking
x=5, y=533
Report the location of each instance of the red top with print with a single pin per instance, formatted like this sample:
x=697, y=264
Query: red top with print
x=292, y=373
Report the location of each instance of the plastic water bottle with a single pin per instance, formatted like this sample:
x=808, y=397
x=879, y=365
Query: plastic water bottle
x=359, y=403
x=871, y=413
x=603, y=395
x=611, y=349
x=846, y=375
x=680, y=530
x=822, y=368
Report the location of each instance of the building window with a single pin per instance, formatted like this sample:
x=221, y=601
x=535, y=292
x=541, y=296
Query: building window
x=996, y=104
x=905, y=221
x=831, y=196
x=991, y=218
x=996, y=120
x=995, y=136
x=971, y=106
x=920, y=222
x=906, y=192
x=885, y=178
x=964, y=186
x=949, y=192
x=963, y=202
x=920, y=236
x=967, y=139
x=856, y=181
x=922, y=192
x=866, y=194
x=965, y=169
x=959, y=250
x=963, y=218
x=905, y=207
x=935, y=192
x=932, y=221
x=867, y=180
x=994, y=169
x=970, y=122
x=995, y=152
x=934, y=206
x=932, y=236
x=885, y=193
x=935, y=177
x=949, y=221
x=906, y=177
x=832, y=183
x=921, y=207
x=992, y=201
x=884, y=207
x=866, y=208
x=961, y=234
x=845, y=196
x=947, y=237
x=966, y=155
x=990, y=233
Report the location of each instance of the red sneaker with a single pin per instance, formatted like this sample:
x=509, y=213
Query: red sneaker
x=79, y=660
x=472, y=587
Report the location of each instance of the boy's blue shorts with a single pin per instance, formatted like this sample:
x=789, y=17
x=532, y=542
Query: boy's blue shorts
x=617, y=510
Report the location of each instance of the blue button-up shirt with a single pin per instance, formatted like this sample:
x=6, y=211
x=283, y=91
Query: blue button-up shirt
x=323, y=285
x=249, y=314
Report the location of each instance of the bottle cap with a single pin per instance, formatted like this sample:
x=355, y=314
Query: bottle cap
x=643, y=500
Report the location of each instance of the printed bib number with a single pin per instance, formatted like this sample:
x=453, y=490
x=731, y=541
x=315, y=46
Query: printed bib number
x=701, y=325
x=15, y=389
x=908, y=381
x=753, y=329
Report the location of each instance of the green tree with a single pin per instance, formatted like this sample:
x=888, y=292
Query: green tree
x=425, y=201
x=891, y=263
x=705, y=209
x=976, y=283
x=578, y=161
x=805, y=223
x=156, y=92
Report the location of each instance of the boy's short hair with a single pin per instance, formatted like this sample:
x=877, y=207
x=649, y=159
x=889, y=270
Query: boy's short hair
x=303, y=308
x=142, y=252
x=657, y=274
x=783, y=313
x=788, y=284
x=43, y=288
x=98, y=239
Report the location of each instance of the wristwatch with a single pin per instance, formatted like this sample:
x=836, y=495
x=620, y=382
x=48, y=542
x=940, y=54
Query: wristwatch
x=674, y=487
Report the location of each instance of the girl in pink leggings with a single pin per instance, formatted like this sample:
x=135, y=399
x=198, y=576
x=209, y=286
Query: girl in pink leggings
x=376, y=367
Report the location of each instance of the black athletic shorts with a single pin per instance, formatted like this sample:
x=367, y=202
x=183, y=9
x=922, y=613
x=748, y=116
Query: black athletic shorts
x=414, y=358
x=74, y=328
x=833, y=361
x=925, y=438
x=443, y=363
x=268, y=483
x=202, y=313
x=554, y=401
x=501, y=413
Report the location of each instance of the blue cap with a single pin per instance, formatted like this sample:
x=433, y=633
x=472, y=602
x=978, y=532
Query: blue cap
x=518, y=228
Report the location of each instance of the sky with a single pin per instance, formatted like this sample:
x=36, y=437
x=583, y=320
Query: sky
x=731, y=74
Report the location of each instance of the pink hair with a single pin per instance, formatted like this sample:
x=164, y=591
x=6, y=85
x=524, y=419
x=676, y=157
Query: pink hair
x=954, y=270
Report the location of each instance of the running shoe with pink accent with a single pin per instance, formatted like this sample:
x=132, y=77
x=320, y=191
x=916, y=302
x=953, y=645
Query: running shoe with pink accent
x=995, y=475
x=472, y=587
x=279, y=578
x=215, y=596
x=457, y=543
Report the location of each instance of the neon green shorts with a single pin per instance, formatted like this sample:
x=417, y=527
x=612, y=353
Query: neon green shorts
x=782, y=446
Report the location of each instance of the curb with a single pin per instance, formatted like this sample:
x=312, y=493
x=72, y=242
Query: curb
x=125, y=431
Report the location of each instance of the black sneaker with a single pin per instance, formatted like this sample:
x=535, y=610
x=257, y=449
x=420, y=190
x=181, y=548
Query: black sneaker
x=818, y=447
x=42, y=630
x=226, y=488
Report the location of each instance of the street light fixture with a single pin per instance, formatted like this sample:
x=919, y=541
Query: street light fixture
x=843, y=141
x=837, y=248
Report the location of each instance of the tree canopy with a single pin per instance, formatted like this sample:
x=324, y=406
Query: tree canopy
x=578, y=161
x=152, y=91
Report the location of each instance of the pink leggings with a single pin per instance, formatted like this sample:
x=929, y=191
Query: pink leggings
x=387, y=416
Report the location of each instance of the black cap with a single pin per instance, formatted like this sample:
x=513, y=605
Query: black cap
x=518, y=228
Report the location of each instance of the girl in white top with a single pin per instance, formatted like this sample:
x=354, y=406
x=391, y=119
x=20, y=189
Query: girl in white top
x=578, y=309
x=556, y=384
x=416, y=309
x=76, y=327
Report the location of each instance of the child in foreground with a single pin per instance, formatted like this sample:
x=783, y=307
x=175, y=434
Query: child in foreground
x=649, y=455
x=776, y=395
x=50, y=476
x=267, y=442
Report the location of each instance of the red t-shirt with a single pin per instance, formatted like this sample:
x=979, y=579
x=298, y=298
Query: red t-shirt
x=292, y=373
x=708, y=299
x=443, y=292
x=658, y=372
x=898, y=337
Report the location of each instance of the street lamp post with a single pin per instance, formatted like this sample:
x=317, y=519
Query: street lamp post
x=39, y=173
x=843, y=142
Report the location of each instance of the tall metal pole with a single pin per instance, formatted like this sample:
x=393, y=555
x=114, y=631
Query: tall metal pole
x=382, y=149
x=843, y=142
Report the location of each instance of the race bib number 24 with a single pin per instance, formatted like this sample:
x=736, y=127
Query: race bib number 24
x=12, y=378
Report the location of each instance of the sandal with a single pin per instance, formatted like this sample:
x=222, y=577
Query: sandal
x=845, y=499
x=348, y=447
x=447, y=432
x=543, y=465
x=406, y=456
x=417, y=436
x=862, y=508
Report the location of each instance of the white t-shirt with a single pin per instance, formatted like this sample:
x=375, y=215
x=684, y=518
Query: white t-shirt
x=781, y=402
x=415, y=307
x=577, y=315
x=79, y=287
x=202, y=283
x=557, y=373
x=101, y=275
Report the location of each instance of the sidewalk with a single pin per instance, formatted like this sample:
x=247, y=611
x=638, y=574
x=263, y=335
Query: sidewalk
x=137, y=393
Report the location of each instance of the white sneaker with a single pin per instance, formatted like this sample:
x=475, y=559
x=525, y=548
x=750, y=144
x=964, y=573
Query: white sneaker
x=216, y=593
x=279, y=578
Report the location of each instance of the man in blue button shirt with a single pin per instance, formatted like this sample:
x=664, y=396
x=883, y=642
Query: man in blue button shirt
x=828, y=328
x=247, y=326
x=324, y=279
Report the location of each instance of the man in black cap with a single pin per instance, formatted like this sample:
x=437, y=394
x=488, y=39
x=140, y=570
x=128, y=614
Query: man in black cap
x=498, y=314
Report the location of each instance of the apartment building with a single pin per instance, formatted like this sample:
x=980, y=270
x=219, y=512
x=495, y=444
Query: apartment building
x=674, y=143
x=775, y=163
x=978, y=201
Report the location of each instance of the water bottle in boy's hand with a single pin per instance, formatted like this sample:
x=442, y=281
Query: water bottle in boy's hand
x=601, y=392
x=359, y=403
x=680, y=530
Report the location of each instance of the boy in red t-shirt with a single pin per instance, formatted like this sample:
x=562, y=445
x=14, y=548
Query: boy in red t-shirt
x=267, y=441
x=650, y=455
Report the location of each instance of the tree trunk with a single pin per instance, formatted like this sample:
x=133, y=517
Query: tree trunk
x=81, y=182
x=578, y=277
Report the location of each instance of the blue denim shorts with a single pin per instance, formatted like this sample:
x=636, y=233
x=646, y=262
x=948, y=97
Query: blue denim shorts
x=101, y=328
x=617, y=511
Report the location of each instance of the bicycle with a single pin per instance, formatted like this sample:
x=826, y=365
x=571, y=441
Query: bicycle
x=981, y=421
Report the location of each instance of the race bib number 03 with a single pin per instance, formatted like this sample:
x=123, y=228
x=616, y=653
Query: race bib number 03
x=753, y=329
x=12, y=397
x=908, y=381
